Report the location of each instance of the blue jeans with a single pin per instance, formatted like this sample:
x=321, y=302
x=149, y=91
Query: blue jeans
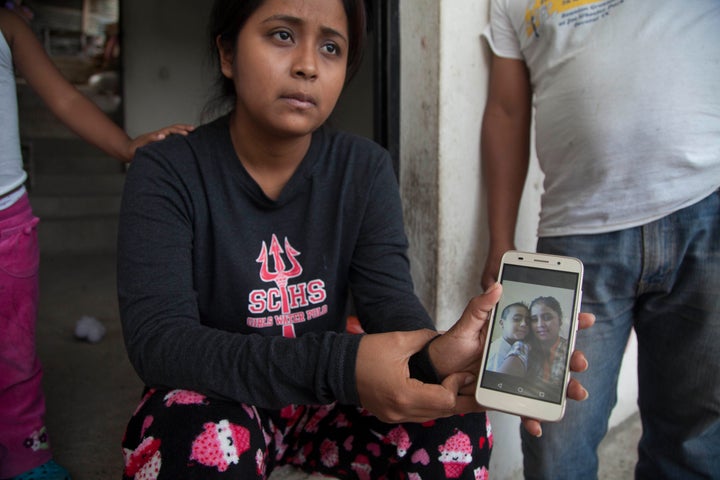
x=663, y=279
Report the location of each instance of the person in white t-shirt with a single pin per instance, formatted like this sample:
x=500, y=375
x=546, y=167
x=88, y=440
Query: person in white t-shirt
x=626, y=107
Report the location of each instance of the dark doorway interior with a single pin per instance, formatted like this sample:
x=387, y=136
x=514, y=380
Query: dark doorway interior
x=369, y=105
x=82, y=39
x=386, y=25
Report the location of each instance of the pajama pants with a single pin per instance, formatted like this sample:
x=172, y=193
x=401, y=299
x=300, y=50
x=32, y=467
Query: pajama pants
x=182, y=434
x=23, y=439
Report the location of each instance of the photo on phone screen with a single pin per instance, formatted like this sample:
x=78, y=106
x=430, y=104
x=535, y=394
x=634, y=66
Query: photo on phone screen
x=532, y=332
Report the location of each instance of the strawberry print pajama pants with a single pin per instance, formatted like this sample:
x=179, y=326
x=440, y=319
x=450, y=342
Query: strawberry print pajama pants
x=182, y=434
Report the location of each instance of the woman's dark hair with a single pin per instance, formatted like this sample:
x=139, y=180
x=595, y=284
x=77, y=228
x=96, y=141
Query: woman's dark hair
x=551, y=303
x=229, y=16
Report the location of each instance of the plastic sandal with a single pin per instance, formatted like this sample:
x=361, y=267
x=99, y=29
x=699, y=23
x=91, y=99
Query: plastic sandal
x=47, y=471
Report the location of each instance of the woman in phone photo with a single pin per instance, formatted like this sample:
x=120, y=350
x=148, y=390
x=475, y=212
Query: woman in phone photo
x=549, y=352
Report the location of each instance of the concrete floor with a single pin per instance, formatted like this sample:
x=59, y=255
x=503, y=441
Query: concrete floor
x=91, y=389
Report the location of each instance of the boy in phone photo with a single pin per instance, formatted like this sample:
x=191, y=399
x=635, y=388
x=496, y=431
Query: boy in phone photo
x=509, y=352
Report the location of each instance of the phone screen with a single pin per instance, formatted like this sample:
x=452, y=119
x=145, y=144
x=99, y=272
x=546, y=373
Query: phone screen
x=530, y=333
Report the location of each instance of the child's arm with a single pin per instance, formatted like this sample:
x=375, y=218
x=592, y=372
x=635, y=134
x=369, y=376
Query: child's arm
x=71, y=107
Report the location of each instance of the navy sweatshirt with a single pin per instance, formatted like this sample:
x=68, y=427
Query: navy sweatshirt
x=227, y=292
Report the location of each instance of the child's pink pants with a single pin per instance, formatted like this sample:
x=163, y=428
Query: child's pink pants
x=23, y=439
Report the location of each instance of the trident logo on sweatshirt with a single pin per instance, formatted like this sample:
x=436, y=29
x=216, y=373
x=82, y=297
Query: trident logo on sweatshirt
x=278, y=306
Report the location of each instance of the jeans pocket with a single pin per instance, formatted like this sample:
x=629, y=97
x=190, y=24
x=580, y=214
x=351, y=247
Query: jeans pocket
x=19, y=252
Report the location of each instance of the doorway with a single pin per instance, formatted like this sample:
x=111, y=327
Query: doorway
x=82, y=39
x=370, y=103
x=74, y=187
x=168, y=82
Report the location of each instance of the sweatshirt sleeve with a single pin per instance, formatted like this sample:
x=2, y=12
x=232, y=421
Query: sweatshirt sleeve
x=166, y=341
x=380, y=271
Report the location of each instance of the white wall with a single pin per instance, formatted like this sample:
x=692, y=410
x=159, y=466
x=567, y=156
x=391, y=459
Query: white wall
x=419, y=140
x=165, y=68
x=443, y=90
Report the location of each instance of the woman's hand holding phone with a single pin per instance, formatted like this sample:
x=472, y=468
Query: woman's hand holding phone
x=461, y=348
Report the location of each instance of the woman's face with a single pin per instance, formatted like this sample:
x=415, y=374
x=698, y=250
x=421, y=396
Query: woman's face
x=545, y=323
x=515, y=325
x=289, y=65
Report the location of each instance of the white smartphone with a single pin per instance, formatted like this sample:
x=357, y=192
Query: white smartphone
x=526, y=361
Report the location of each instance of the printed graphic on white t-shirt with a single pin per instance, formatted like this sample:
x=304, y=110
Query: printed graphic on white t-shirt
x=567, y=13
